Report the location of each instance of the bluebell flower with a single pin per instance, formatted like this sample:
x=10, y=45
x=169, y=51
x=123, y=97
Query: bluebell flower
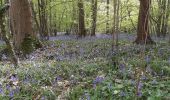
x=1, y=90
x=8, y=87
x=42, y=98
x=16, y=90
x=11, y=93
x=122, y=67
x=97, y=81
x=139, y=93
x=13, y=78
x=139, y=89
x=148, y=59
x=144, y=77
x=140, y=85
x=87, y=95
x=122, y=94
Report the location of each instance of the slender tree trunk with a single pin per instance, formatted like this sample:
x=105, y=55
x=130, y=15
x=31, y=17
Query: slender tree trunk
x=94, y=17
x=162, y=17
x=143, y=36
x=43, y=19
x=107, y=15
x=74, y=24
x=35, y=16
x=82, y=30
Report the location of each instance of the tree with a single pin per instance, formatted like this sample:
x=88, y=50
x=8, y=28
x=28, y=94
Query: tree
x=9, y=47
x=21, y=26
x=107, y=15
x=43, y=19
x=162, y=17
x=143, y=36
x=94, y=17
x=21, y=21
x=82, y=30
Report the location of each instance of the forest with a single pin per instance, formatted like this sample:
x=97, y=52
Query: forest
x=84, y=49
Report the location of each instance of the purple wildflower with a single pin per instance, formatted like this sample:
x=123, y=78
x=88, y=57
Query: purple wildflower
x=8, y=87
x=42, y=98
x=139, y=88
x=13, y=78
x=139, y=93
x=16, y=90
x=87, y=95
x=143, y=77
x=97, y=81
x=11, y=94
x=148, y=59
x=58, y=78
x=122, y=67
x=122, y=94
x=1, y=90
x=140, y=85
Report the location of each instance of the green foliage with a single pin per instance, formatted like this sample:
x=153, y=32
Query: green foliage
x=90, y=74
x=29, y=44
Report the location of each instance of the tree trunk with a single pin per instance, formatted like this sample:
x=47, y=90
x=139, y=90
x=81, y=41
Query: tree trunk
x=162, y=17
x=82, y=31
x=94, y=17
x=43, y=19
x=9, y=44
x=143, y=36
x=107, y=15
x=21, y=21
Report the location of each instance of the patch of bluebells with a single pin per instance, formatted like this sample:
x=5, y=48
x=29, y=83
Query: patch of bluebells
x=143, y=77
x=87, y=96
x=139, y=89
x=122, y=94
x=11, y=93
x=42, y=98
x=56, y=79
x=1, y=90
x=148, y=59
x=97, y=81
x=122, y=68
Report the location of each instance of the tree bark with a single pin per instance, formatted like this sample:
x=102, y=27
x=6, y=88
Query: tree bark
x=107, y=15
x=10, y=46
x=94, y=17
x=82, y=30
x=143, y=36
x=21, y=21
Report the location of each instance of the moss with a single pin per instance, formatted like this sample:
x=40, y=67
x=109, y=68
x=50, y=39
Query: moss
x=30, y=44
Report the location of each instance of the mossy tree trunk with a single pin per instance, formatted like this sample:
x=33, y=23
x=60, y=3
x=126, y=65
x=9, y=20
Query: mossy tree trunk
x=5, y=37
x=21, y=21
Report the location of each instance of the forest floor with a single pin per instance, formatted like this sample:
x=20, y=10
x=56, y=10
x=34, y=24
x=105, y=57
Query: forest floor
x=67, y=68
